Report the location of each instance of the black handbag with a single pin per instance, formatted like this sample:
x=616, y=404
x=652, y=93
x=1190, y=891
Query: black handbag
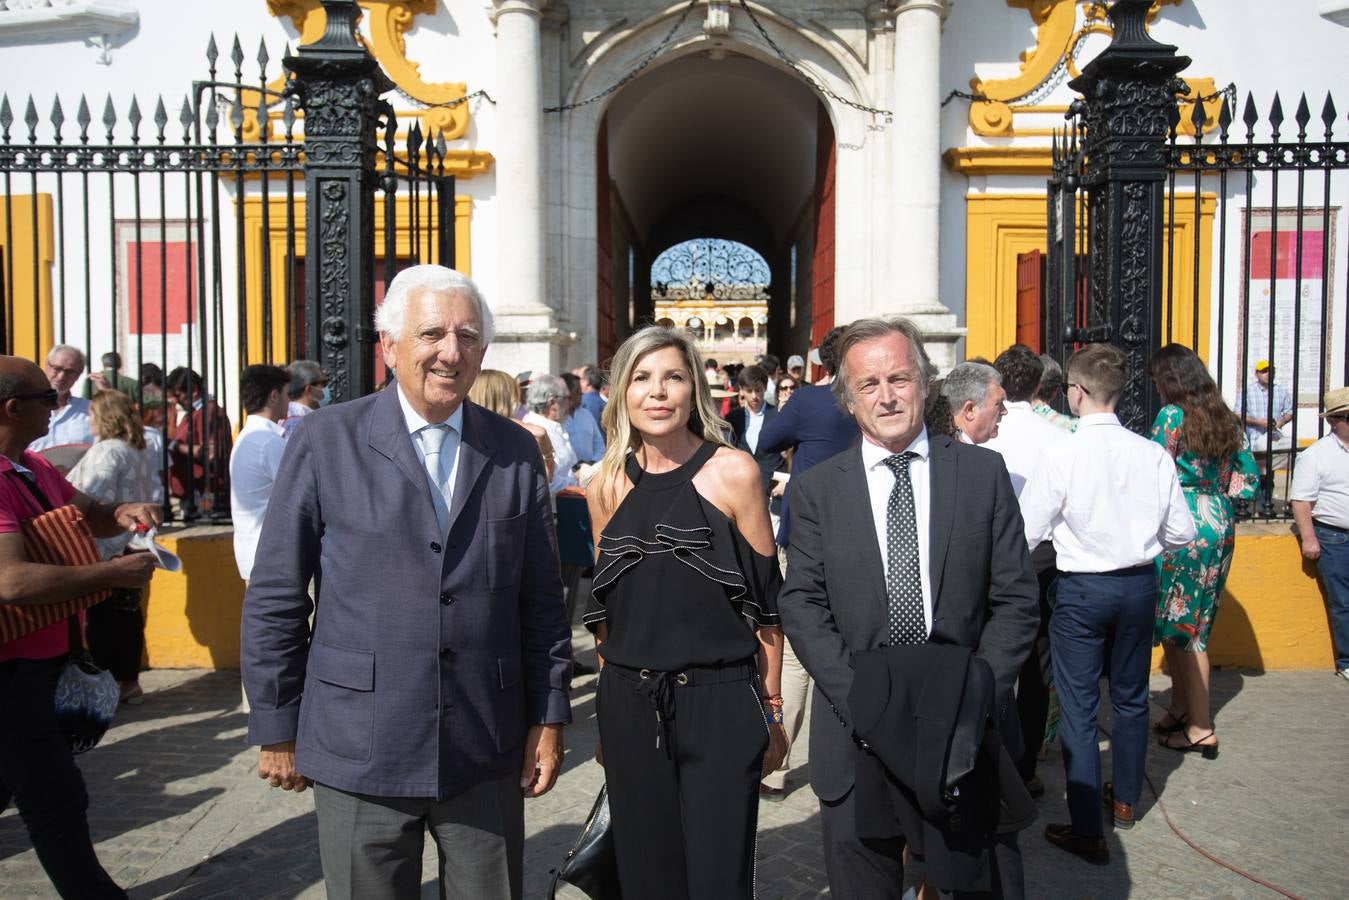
x=591, y=864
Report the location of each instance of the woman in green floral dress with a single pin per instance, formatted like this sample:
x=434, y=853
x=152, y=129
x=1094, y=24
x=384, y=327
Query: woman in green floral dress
x=1204, y=437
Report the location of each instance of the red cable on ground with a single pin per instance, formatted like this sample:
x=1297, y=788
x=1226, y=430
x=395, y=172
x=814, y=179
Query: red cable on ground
x=1198, y=849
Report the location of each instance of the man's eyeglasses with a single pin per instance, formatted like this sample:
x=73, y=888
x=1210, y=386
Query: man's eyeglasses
x=1080, y=386
x=48, y=396
x=786, y=386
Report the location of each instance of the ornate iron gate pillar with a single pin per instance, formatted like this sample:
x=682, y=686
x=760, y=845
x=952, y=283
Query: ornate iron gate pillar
x=1130, y=96
x=339, y=84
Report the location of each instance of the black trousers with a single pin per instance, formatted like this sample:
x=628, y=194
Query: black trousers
x=867, y=869
x=115, y=632
x=684, y=787
x=39, y=773
x=1032, y=686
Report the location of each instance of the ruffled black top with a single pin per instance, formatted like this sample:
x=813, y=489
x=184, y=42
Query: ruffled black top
x=675, y=581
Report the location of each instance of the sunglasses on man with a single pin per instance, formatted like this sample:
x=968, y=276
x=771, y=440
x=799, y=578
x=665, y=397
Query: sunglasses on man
x=48, y=396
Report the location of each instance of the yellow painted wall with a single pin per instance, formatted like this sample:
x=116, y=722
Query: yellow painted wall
x=192, y=616
x=1272, y=616
x=32, y=300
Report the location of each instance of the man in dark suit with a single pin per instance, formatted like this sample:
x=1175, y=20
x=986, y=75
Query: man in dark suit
x=904, y=539
x=750, y=418
x=433, y=689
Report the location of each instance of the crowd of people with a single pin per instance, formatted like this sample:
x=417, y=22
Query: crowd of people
x=928, y=562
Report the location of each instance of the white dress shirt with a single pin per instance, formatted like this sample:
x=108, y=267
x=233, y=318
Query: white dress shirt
x=68, y=425
x=1023, y=440
x=1322, y=479
x=253, y=465
x=880, y=482
x=1108, y=498
x=564, y=457
x=754, y=425
x=449, y=454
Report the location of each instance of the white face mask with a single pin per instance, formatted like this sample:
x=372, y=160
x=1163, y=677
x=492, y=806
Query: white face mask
x=327, y=396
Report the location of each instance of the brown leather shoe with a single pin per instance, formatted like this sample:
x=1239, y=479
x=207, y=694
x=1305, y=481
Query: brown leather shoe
x=1123, y=813
x=1093, y=850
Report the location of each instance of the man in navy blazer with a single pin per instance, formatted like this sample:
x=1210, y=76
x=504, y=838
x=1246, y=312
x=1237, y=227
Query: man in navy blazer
x=432, y=689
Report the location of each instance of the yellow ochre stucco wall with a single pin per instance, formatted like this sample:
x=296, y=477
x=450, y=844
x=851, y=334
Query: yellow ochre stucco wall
x=1272, y=617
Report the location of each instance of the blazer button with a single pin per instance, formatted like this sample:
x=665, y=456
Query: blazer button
x=445, y=598
x=435, y=547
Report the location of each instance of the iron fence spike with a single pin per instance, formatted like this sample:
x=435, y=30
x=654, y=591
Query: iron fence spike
x=109, y=117
x=82, y=118
x=263, y=58
x=30, y=119
x=212, y=117
x=58, y=118
x=288, y=116
x=1198, y=118
x=185, y=116
x=1302, y=117
x=1224, y=118
x=440, y=143
x=134, y=116
x=237, y=116
x=1250, y=116
x=1276, y=115
x=212, y=52
x=237, y=57
x=6, y=116
x=1328, y=115
x=161, y=115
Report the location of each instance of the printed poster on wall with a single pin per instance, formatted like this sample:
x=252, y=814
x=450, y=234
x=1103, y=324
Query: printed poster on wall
x=1288, y=274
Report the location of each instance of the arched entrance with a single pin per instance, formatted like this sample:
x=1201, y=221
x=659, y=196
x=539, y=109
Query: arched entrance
x=751, y=131
x=725, y=150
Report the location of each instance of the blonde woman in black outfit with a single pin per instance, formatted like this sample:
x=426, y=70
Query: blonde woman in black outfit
x=684, y=611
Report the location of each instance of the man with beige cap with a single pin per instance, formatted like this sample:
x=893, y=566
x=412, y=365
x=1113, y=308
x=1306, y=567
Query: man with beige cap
x=1320, y=497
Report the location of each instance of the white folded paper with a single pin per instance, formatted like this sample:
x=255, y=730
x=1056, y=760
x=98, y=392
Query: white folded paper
x=164, y=558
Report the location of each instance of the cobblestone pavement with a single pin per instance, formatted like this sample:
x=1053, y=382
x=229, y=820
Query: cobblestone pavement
x=177, y=810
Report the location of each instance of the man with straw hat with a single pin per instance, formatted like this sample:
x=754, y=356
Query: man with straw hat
x=1320, y=497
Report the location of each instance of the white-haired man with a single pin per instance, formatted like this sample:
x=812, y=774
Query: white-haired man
x=974, y=391
x=433, y=691
x=70, y=422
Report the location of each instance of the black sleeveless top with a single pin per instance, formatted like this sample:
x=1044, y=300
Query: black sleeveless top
x=675, y=581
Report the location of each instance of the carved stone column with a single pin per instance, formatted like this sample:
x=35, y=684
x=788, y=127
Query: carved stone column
x=526, y=333
x=1130, y=93
x=916, y=181
x=339, y=86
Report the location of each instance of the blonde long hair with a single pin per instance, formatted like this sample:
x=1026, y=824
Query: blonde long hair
x=497, y=391
x=620, y=437
x=116, y=419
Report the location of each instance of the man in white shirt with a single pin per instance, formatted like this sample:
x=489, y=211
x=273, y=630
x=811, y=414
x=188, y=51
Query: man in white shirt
x=547, y=400
x=974, y=391
x=70, y=422
x=256, y=457
x=1023, y=440
x=1111, y=501
x=307, y=391
x=1320, y=498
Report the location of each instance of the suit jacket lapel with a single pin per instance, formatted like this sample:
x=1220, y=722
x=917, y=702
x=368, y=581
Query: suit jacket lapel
x=941, y=509
x=389, y=437
x=475, y=451
x=855, y=497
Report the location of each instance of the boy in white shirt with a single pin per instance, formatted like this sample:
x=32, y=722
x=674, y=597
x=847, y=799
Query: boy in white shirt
x=1111, y=502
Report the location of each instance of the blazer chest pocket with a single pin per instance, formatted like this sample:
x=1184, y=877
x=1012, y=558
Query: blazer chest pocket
x=505, y=541
x=340, y=697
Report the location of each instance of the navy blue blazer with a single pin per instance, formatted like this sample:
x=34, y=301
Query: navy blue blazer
x=769, y=461
x=431, y=653
x=813, y=424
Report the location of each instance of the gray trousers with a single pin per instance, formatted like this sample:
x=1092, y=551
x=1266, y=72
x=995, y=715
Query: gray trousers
x=371, y=847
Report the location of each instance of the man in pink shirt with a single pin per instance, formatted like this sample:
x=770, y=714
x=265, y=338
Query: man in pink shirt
x=37, y=769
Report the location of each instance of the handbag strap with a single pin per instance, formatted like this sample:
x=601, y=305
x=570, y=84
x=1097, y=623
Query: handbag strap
x=31, y=483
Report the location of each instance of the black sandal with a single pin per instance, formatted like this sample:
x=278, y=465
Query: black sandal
x=1177, y=723
x=1208, y=751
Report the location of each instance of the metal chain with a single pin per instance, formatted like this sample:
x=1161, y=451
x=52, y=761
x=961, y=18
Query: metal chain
x=888, y=114
x=646, y=61
x=449, y=105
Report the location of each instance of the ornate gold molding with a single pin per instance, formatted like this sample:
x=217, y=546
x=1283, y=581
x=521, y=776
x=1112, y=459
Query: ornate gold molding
x=1057, y=34
x=390, y=21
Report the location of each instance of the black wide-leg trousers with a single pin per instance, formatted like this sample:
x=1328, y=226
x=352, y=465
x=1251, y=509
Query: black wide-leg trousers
x=684, y=786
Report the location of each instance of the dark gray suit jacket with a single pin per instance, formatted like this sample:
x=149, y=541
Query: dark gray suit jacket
x=431, y=653
x=833, y=604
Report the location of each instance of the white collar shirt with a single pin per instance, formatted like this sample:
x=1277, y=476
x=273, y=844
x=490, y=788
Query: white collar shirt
x=1023, y=440
x=70, y=424
x=753, y=425
x=254, y=461
x=880, y=482
x=1108, y=498
x=1321, y=478
x=441, y=495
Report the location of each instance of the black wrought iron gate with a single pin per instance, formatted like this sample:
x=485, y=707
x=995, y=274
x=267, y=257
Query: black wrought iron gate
x=237, y=226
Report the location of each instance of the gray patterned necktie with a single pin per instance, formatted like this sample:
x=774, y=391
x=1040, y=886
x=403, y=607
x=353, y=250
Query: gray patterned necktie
x=903, y=579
